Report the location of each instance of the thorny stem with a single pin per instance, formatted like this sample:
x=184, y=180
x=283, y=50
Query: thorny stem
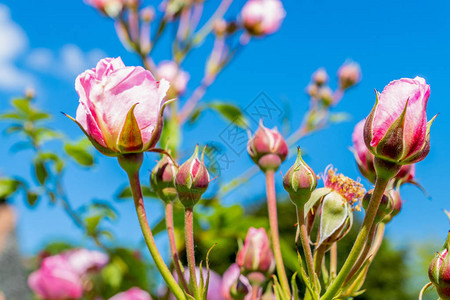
x=380, y=186
x=318, y=258
x=305, y=244
x=148, y=236
x=333, y=261
x=273, y=220
x=173, y=246
x=190, y=251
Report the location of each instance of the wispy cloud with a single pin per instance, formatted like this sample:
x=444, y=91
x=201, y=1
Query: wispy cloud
x=13, y=43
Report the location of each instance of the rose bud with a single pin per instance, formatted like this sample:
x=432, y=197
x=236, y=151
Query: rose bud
x=300, y=181
x=365, y=159
x=132, y=294
x=121, y=108
x=111, y=8
x=312, y=90
x=220, y=27
x=162, y=179
x=262, y=17
x=178, y=78
x=56, y=279
x=192, y=180
x=394, y=195
x=256, y=254
x=396, y=131
x=385, y=208
x=235, y=285
x=340, y=196
x=267, y=148
x=320, y=77
x=325, y=94
x=439, y=271
x=349, y=74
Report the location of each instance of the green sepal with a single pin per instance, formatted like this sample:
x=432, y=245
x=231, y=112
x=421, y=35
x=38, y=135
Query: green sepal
x=368, y=134
x=130, y=139
x=335, y=212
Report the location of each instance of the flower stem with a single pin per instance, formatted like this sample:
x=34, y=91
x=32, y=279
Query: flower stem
x=273, y=219
x=189, y=233
x=380, y=186
x=333, y=261
x=148, y=236
x=318, y=259
x=173, y=245
x=305, y=244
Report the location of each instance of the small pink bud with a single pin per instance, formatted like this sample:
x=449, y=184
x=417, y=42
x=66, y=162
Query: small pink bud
x=111, y=8
x=394, y=195
x=300, y=181
x=325, y=94
x=162, y=179
x=192, y=180
x=439, y=271
x=262, y=17
x=178, y=78
x=386, y=205
x=312, y=90
x=349, y=74
x=220, y=27
x=396, y=131
x=320, y=77
x=147, y=14
x=267, y=148
x=256, y=254
x=132, y=294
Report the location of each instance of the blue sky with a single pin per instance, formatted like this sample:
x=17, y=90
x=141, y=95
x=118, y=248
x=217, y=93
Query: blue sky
x=46, y=44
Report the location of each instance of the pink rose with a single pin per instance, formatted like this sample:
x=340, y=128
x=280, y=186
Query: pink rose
x=256, y=254
x=120, y=107
x=132, y=294
x=397, y=130
x=84, y=260
x=262, y=17
x=178, y=78
x=56, y=280
x=349, y=74
x=111, y=8
x=229, y=282
x=364, y=159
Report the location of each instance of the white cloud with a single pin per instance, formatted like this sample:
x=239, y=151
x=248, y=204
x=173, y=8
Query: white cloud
x=13, y=43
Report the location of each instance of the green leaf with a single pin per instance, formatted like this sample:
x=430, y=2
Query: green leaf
x=340, y=117
x=195, y=115
x=80, y=155
x=92, y=223
x=8, y=186
x=22, y=104
x=40, y=171
x=230, y=112
x=334, y=215
x=32, y=198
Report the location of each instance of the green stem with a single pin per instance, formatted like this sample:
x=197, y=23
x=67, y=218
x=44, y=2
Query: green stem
x=189, y=233
x=135, y=186
x=273, y=219
x=305, y=244
x=380, y=186
x=318, y=258
x=173, y=245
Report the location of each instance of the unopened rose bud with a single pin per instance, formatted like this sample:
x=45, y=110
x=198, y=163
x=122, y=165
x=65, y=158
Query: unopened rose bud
x=320, y=77
x=312, y=90
x=162, y=179
x=256, y=254
x=300, y=181
x=262, y=17
x=220, y=27
x=325, y=94
x=147, y=14
x=192, y=180
x=111, y=8
x=385, y=208
x=349, y=74
x=267, y=148
x=439, y=271
x=394, y=195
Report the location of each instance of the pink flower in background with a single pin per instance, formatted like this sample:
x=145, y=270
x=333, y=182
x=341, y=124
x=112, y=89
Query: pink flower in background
x=349, y=74
x=56, y=279
x=111, y=8
x=364, y=159
x=229, y=279
x=84, y=260
x=256, y=254
x=215, y=282
x=120, y=107
x=132, y=294
x=320, y=76
x=178, y=78
x=397, y=129
x=262, y=17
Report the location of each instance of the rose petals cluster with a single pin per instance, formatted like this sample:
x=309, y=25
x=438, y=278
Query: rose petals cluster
x=60, y=276
x=262, y=17
x=120, y=108
x=397, y=130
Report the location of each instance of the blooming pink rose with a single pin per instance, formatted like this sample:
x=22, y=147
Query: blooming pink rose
x=120, y=107
x=364, y=159
x=229, y=281
x=397, y=130
x=110, y=8
x=132, y=294
x=349, y=74
x=56, y=280
x=84, y=260
x=178, y=78
x=256, y=254
x=263, y=17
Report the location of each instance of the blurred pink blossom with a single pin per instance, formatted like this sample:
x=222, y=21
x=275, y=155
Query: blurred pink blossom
x=262, y=17
x=84, y=260
x=229, y=279
x=256, y=254
x=349, y=74
x=132, y=294
x=178, y=78
x=111, y=8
